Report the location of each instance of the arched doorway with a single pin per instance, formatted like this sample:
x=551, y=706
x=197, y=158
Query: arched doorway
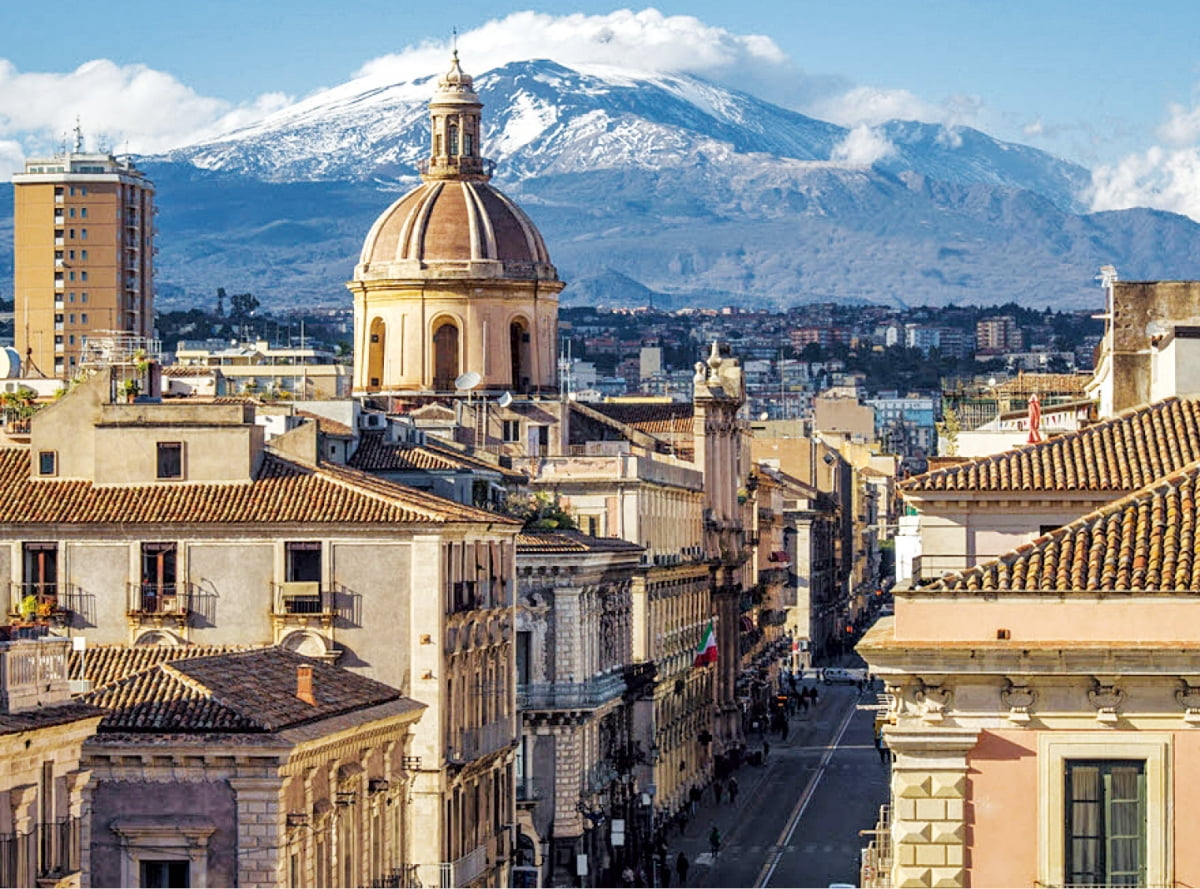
x=445, y=356
x=518, y=351
x=375, y=346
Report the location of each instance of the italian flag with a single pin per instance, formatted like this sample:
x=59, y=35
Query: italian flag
x=707, y=652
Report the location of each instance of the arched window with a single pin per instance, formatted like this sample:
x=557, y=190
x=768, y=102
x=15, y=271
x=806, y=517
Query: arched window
x=445, y=356
x=468, y=144
x=453, y=139
x=375, y=347
x=518, y=353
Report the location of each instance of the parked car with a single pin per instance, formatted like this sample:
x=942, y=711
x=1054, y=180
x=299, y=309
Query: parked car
x=831, y=675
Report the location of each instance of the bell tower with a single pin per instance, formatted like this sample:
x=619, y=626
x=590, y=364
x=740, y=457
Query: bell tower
x=456, y=111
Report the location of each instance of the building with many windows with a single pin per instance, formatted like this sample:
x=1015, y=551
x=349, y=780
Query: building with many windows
x=83, y=258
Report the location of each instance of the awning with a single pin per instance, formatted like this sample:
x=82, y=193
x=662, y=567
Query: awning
x=779, y=556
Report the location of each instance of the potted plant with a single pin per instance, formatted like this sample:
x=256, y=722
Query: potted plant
x=130, y=389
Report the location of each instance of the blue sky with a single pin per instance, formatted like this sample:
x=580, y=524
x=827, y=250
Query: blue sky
x=1110, y=85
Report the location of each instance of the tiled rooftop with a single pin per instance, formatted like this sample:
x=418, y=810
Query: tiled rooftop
x=1143, y=542
x=376, y=454
x=104, y=665
x=282, y=491
x=655, y=418
x=553, y=542
x=250, y=691
x=1044, y=383
x=1123, y=453
x=328, y=426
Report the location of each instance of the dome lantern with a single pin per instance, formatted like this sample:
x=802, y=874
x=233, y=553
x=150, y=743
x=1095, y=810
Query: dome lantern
x=455, y=114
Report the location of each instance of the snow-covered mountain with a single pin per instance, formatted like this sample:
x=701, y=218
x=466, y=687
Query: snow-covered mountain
x=541, y=119
x=663, y=183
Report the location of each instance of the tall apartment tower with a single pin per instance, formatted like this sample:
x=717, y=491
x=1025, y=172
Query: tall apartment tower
x=83, y=231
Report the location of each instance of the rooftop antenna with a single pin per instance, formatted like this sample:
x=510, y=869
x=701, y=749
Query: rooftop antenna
x=78, y=135
x=454, y=40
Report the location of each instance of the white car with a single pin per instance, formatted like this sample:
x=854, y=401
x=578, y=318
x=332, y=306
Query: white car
x=831, y=675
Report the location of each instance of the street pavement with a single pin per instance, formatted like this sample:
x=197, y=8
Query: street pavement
x=797, y=818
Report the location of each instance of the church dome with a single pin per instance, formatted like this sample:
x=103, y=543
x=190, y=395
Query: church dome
x=455, y=224
x=454, y=228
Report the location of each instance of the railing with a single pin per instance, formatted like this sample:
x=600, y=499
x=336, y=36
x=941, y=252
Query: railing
x=159, y=599
x=303, y=598
x=48, y=851
x=563, y=695
x=876, y=867
x=39, y=601
x=403, y=877
x=466, y=869
x=528, y=790
x=473, y=743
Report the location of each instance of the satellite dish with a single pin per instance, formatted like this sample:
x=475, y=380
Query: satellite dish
x=504, y=400
x=764, y=416
x=10, y=363
x=469, y=380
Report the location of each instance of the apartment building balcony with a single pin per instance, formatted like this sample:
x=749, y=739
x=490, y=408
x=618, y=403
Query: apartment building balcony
x=570, y=695
x=156, y=601
x=401, y=877
x=473, y=743
x=46, y=855
x=40, y=602
x=875, y=870
x=530, y=790
x=466, y=869
x=302, y=605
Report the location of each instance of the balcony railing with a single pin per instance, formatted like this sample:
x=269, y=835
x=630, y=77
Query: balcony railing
x=876, y=867
x=472, y=743
x=48, y=852
x=570, y=695
x=39, y=601
x=303, y=598
x=403, y=877
x=528, y=790
x=466, y=869
x=159, y=599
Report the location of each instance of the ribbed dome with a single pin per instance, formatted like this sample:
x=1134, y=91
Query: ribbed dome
x=454, y=228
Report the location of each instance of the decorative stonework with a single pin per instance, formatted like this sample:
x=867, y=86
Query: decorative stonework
x=933, y=701
x=1188, y=696
x=1018, y=700
x=1107, y=699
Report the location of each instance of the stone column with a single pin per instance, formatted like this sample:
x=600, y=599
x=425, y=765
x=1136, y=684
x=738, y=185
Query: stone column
x=929, y=783
x=260, y=821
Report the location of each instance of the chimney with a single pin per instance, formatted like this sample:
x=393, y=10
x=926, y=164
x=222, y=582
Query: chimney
x=304, y=686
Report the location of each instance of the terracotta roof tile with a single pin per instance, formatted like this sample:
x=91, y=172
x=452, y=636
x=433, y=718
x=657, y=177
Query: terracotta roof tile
x=551, y=542
x=1044, y=383
x=282, y=491
x=376, y=454
x=104, y=665
x=1119, y=454
x=655, y=418
x=1143, y=542
x=328, y=426
x=249, y=691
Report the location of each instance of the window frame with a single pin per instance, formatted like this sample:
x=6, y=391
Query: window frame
x=510, y=431
x=42, y=471
x=1056, y=748
x=160, y=448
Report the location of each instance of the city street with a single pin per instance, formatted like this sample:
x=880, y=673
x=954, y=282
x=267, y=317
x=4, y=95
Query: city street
x=797, y=819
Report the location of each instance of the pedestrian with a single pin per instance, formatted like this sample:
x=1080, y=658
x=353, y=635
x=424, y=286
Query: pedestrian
x=733, y=791
x=694, y=799
x=717, y=791
x=812, y=693
x=627, y=876
x=766, y=749
x=714, y=841
x=884, y=754
x=681, y=868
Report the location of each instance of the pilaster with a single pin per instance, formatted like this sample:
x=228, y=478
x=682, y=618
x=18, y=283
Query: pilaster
x=929, y=782
x=260, y=831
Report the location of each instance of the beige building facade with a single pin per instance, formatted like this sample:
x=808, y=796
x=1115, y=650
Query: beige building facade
x=454, y=278
x=83, y=260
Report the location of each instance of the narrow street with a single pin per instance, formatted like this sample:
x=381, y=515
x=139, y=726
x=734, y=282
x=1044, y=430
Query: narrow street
x=797, y=818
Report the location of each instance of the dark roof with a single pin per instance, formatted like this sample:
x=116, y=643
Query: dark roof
x=104, y=665
x=1123, y=453
x=551, y=542
x=1143, y=542
x=46, y=717
x=655, y=418
x=283, y=490
x=250, y=691
x=376, y=454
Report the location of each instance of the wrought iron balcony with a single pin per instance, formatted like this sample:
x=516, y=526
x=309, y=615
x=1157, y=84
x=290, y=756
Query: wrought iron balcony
x=472, y=743
x=40, y=602
x=159, y=599
x=570, y=695
x=403, y=877
x=48, y=852
x=465, y=870
x=303, y=598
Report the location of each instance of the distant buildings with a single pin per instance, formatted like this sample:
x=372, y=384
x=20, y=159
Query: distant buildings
x=83, y=261
x=997, y=335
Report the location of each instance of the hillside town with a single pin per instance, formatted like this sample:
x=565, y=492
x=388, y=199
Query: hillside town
x=462, y=587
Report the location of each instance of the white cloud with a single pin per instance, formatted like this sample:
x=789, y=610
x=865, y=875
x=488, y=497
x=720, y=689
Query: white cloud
x=646, y=40
x=872, y=106
x=125, y=107
x=12, y=158
x=1166, y=178
x=862, y=146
